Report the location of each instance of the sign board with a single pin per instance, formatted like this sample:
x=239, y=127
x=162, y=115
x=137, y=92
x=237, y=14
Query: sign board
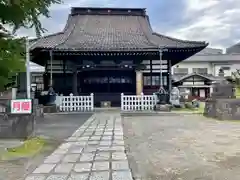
x=21, y=106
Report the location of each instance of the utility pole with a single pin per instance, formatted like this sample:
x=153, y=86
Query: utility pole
x=28, y=73
x=161, y=75
x=161, y=50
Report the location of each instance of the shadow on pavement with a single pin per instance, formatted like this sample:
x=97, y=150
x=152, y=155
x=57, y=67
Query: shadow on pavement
x=55, y=128
x=60, y=126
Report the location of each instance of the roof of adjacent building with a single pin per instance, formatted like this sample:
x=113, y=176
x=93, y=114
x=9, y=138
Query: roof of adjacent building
x=233, y=49
x=110, y=29
x=35, y=68
x=178, y=78
x=210, y=51
x=213, y=58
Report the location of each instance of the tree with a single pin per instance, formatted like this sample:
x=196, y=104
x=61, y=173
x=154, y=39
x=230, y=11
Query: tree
x=236, y=77
x=15, y=14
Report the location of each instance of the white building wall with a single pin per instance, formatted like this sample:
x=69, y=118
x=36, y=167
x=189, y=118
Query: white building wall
x=217, y=67
x=191, y=65
x=233, y=67
x=213, y=67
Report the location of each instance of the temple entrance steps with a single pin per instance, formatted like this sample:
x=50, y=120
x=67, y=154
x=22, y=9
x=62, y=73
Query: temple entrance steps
x=108, y=109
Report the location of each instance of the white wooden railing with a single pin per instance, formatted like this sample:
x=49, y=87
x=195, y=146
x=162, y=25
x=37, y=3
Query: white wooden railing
x=138, y=102
x=75, y=103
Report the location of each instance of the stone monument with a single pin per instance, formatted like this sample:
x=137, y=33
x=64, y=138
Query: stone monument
x=162, y=100
x=223, y=104
x=175, y=97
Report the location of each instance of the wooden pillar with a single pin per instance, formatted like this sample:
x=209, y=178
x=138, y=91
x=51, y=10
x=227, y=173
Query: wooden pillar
x=151, y=71
x=139, y=82
x=46, y=77
x=51, y=70
x=75, y=82
x=64, y=78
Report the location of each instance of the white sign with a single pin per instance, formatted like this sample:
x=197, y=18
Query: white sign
x=21, y=106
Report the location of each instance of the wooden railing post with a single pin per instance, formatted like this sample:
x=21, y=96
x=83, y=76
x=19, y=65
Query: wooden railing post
x=92, y=101
x=122, y=101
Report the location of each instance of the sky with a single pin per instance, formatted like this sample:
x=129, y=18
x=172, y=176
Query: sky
x=213, y=21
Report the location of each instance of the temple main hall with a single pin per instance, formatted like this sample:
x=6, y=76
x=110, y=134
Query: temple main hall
x=109, y=51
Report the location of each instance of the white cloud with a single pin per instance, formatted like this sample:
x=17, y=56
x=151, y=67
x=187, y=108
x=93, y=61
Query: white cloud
x=197, y=5
x=212, y=20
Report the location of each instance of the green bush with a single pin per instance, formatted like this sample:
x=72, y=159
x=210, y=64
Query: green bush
x=237, y=92
x=189, y=105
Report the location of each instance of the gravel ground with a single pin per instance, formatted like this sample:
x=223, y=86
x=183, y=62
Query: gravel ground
x=54, y=127
x=182, y=147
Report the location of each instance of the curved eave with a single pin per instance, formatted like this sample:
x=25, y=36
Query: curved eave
x=52, y=40
x=170, y=42
x=46, y=42
x=184, y=53
x=194, y=50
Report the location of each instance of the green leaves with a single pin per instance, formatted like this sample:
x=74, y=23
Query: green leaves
x=25, y=13
x=11, y=59
x=15, y=14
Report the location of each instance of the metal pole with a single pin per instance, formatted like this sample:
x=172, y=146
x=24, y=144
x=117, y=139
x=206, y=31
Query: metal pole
x=28, y=73
x=170, y=75
x=51, y=59
x=160, y=57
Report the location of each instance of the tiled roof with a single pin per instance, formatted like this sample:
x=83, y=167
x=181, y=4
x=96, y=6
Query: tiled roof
x=109, y=29
x=170, y=42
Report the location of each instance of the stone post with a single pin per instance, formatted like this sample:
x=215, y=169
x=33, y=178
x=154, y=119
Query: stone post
x=210, y=90
x=139, y=82
x=14, y=93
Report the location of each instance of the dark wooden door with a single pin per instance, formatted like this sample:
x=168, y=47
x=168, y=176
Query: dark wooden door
x=107, y=85
x=102, y=81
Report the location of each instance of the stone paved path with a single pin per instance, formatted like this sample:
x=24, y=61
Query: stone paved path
x=94, y=152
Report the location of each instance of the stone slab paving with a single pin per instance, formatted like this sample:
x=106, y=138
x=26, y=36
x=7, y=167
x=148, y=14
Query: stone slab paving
x=95, y=151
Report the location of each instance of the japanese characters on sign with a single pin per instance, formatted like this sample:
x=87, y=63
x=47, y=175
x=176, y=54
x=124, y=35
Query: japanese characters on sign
x=21, y=106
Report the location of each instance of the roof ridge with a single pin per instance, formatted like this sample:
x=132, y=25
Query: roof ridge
x=107, y=11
